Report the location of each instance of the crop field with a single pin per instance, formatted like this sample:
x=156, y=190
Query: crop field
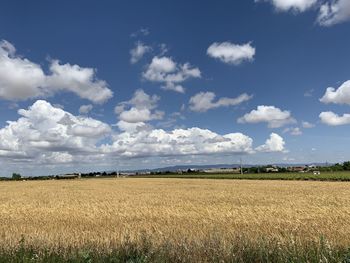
x=174, y=220
x=324, y=176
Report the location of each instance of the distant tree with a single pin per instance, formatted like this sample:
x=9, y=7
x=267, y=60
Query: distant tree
x=346, y=166
x=16, y=176
x=338, y=167
x=282, y=169
x=253, y=170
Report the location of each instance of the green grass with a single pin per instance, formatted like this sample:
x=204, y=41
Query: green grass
x=324, y=176
x=209, y=251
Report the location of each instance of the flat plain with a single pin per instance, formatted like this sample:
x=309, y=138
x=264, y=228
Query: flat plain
x=192, y=219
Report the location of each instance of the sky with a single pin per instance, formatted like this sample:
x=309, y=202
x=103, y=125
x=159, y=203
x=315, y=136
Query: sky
x=108, y=85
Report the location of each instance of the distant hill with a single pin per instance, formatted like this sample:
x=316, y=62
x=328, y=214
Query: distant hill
x=210, y=166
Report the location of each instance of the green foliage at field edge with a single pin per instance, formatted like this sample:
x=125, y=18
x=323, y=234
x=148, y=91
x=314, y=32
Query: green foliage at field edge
x=209, y=251
x=326, y=176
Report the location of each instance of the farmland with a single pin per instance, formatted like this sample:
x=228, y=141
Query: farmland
x=324, y=176
x=177, y=220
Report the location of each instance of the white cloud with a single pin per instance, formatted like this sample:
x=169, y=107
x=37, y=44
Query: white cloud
x=231, y=53
x=330, y=12
x=274, y=144
x=85, y=109
x=140, y=115
x=140, y=109
x=142, y=100
x=174, y=87
x=45, y=135
x=45, y=131
x=273, y=116
x=295, y=5
x=334, y=12
x=21, y=79
x=55, y=158
x=307, y=125
x=131, y=127
x=78, y=80
x=193, y=141
x=170, y=74
x=333, y=119
x=337, y=96
x=138, y=52
x=204, y=101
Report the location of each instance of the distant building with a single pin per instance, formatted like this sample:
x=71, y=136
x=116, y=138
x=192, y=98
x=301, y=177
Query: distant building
x=299, y=169
x=223, y=170
x=123, y=174
x=272, y=170
x=312, y=166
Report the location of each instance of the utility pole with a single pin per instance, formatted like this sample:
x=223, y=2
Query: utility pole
x=240, y=159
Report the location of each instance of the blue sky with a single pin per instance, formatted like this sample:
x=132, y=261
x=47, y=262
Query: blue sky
x=172, y=82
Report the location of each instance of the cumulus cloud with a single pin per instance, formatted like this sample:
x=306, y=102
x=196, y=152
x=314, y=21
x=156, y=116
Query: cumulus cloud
x=78, y=80
x=21, y=79
x=138, y=52
x=337, y=96
x=139, y=109
x=170, y=74
x=334, y=12
x=274, y=117
x=132, y=127
x=204, y=101
x=55, y=158
x=43, y=130
x=295, y=5
x=330, y=12
x=193, y=141
x=85, y=109
x=46, y=135
x=333, y=119
x=231, y=53
x=307, y=125
x=274, y=144
x=140, y=115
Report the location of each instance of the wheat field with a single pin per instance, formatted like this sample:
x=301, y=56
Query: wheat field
x=192, y=216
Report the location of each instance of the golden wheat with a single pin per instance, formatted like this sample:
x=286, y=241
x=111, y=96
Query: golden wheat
x=106, y=212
